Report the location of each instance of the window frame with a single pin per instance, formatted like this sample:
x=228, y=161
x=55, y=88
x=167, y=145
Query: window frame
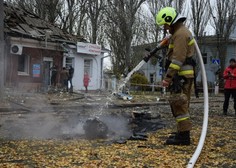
x=88, y=67
x=26, y=65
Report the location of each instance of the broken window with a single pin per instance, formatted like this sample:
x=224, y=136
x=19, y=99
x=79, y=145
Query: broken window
x=23, y=64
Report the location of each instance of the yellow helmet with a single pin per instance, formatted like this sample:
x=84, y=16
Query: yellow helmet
x=168, y=15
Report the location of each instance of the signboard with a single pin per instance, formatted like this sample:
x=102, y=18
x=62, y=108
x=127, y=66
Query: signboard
x=216, y=61
x=88, y=48
x=36, y=70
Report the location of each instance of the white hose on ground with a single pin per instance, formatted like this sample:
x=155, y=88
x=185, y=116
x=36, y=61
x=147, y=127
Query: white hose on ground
x=197, y=152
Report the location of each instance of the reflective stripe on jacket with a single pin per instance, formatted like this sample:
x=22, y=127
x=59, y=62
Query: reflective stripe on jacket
x=181, y=46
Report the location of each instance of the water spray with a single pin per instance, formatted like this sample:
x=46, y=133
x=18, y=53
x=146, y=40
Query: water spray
x=145, y=60
x=206, y=109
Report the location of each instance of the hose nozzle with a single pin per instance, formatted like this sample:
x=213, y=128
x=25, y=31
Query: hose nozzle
x=162, y=44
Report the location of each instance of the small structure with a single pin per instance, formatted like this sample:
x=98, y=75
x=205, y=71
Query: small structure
x=33, y=46
x=85, y=57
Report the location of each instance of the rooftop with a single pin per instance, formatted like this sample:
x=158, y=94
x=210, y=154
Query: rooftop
x=22, y=23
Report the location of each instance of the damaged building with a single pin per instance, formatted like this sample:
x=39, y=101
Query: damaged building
x=33, y=46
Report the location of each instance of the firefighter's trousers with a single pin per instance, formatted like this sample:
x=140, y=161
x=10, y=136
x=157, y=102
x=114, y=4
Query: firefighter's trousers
x=179, y=103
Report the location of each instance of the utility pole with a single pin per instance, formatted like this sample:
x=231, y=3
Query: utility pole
x=2, y=58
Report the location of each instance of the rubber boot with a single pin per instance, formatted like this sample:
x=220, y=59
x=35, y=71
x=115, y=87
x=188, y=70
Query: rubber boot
x=182, y=138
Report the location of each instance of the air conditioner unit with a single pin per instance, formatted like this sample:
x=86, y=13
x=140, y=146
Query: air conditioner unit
x=16, y=49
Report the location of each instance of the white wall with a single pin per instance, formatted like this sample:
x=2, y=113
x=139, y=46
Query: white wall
x=77, y=80
x=148, y=69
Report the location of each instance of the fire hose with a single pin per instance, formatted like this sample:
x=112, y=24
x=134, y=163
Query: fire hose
x=198, y=150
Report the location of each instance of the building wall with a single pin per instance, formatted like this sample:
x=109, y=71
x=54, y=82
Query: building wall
x=34, y=80
x=207, y=45
x=95, y=78
x=211, y=66
x=233, y=34
x=148, y=69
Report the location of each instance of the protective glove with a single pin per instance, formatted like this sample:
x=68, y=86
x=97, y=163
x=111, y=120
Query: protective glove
x=165, y=83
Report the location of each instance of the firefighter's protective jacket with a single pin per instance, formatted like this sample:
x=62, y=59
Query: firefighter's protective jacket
x=230, y=77
x=181, y=46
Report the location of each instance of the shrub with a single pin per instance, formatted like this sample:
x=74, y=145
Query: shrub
x=139, y=81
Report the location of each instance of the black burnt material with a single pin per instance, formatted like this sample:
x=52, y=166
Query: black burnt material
x=95, y=128
x=144, y=122
x=140, y=123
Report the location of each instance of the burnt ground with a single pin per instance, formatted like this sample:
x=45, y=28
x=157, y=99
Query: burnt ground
x=46, y=130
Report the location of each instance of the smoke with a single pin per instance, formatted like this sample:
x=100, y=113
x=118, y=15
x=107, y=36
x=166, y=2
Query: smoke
x=42, y=121
x=73, y=130
x=53, y=125
x=29, y=126
x=118, y=126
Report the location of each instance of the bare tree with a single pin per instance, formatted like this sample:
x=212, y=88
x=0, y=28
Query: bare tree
x=122, y=16
x=179, y=5
x=81, y=22
x=145, y=28
x=200, y=16
x=69, y=15
x=45, y=9
x=95, y=8
x=117, y=45
x=2, y=57
x=25, y=4
x=53, y=8
x=223, y=14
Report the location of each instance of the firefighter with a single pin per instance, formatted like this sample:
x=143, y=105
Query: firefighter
x=179, y=75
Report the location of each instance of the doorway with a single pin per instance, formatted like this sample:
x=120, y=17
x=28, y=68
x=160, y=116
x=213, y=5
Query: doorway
x=47, y=64
x=46, y=72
